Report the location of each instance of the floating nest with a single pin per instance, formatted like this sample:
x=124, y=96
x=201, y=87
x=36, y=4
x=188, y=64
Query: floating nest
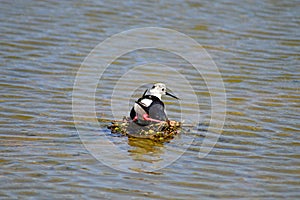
x=160, y=132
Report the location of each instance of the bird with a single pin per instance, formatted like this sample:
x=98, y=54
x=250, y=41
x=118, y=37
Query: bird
x=149, y=108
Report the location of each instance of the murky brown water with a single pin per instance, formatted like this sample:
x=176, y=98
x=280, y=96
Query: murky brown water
x=256, y=48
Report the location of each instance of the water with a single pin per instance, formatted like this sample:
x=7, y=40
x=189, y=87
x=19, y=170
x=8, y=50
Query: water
x=256, y=48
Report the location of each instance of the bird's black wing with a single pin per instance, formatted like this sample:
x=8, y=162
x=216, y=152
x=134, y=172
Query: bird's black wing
x=132, y=113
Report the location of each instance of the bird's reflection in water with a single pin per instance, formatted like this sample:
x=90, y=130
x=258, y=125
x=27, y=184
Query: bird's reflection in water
x=145, y=150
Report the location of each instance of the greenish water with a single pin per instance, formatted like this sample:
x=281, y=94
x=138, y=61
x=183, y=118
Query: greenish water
x=256, y=48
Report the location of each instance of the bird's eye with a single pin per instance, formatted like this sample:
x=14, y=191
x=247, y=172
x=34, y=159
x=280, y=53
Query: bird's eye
x=163, y=89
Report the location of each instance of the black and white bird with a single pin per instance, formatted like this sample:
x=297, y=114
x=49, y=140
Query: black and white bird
x=149, y=108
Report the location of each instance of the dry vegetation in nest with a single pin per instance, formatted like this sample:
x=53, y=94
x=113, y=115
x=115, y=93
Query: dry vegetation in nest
x=160, y=132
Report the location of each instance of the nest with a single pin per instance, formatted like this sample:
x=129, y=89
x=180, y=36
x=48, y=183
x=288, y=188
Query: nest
x=160, y=132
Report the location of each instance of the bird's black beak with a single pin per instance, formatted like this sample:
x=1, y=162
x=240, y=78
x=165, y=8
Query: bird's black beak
x=171, y=95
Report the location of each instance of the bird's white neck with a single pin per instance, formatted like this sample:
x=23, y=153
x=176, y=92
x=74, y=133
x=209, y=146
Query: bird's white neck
x=158, y=95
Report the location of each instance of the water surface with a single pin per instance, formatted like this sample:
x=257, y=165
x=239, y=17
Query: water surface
x=256, y=48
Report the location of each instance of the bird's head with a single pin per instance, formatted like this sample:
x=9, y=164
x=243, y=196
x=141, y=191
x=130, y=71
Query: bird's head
x=159, y=89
